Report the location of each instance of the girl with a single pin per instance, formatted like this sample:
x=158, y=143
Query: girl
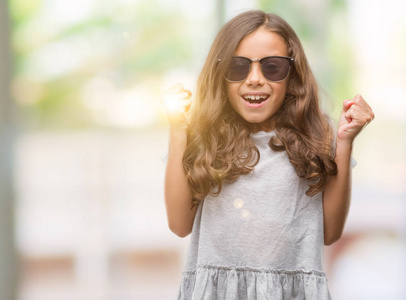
x=254, y=170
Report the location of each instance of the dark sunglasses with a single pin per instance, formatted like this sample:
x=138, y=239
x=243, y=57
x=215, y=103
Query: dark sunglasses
x=274, y=68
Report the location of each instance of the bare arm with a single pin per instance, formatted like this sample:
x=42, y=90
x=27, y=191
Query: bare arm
x=355, y=116
x=178, y=196
x=337, y=196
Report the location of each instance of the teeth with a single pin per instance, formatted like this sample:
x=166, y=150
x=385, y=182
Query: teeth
x=252, y=97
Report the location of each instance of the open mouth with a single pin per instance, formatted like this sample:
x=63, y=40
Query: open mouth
x=255, y=99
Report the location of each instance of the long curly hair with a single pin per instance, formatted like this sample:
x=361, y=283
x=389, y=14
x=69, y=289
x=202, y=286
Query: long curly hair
x=219, y=148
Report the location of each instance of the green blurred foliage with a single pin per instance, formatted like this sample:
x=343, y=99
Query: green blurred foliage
x=139, y=41
x=136, y=45
x=334, y=74
x=22, y=10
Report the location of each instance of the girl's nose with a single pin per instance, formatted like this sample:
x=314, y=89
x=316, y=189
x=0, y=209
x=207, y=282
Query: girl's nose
x=255, y=76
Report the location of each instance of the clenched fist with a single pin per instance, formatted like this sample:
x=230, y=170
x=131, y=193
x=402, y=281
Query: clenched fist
x=356, y=114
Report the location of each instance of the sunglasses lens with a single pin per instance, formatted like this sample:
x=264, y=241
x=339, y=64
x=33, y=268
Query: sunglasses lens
x=239, y=69
x=275, y=68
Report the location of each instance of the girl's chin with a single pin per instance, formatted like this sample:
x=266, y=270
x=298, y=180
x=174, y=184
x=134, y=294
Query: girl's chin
x=259, y=125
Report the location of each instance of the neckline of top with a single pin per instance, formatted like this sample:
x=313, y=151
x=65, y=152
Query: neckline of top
x=261, y=132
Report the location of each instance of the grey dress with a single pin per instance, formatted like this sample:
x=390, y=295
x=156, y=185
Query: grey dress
x=261, y=238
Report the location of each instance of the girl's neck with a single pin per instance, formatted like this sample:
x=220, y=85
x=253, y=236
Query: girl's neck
x=266, y=126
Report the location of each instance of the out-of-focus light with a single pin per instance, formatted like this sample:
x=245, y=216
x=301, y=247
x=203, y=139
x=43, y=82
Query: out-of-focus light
x=238, y=203
x=59, y=58
x=110, y=106
x=246, y=214
x=132, y=108
x=62, y=13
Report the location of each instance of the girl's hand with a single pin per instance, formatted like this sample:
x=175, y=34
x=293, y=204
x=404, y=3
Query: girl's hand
x=177, y=102
x=355, y=116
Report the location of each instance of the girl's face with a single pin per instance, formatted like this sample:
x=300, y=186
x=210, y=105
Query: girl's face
x=258, y=44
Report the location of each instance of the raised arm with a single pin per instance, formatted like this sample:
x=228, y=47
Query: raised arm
x=178, y=197
x=356, y=114
x=337, y=196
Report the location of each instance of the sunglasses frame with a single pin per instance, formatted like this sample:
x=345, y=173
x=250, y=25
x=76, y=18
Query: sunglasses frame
x=290, y=59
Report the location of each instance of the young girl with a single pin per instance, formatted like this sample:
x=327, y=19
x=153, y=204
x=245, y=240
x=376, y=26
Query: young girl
x=254, y=170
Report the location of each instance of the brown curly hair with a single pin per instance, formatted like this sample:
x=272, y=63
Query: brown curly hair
x=219, y=148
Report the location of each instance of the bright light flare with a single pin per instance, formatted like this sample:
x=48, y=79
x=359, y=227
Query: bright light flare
x=173, y=104
x=176, y=105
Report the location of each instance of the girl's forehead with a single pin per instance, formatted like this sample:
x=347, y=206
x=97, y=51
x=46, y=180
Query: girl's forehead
x=261, y=43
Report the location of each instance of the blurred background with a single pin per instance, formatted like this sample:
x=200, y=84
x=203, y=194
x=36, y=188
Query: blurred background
x=83, y=136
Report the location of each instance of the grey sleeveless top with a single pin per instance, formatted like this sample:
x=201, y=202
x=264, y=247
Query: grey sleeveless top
x=261, y=238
